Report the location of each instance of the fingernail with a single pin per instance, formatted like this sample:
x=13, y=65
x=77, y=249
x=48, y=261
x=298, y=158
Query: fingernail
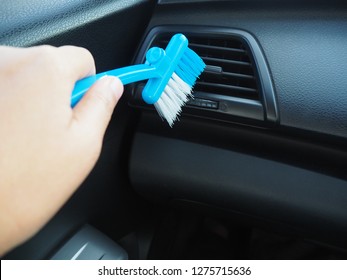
x=113, y=84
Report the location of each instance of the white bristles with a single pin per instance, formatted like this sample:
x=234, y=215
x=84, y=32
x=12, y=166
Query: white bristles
x=174, y=96
x=183, y=86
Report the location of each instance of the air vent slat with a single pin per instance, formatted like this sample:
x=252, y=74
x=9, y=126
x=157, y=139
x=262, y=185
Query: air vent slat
x=240, y=76
x=216, y=88
x=225, y=61
x=229, y=70
x=216, y=70
x=229, y=79
x=216, y=48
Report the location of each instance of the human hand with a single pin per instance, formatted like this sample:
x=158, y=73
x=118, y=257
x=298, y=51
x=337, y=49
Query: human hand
x=46, y=148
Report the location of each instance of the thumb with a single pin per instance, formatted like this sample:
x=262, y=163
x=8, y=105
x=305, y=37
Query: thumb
x=95, y=109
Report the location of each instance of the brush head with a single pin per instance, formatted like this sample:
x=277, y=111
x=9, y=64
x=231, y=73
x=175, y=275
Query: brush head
x=180, y=86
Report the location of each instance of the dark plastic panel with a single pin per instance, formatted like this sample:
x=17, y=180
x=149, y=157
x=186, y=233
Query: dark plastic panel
x=165, y=169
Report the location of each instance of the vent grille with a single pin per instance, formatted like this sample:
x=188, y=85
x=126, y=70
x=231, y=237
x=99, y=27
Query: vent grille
x=229, y=70
x=236, y=85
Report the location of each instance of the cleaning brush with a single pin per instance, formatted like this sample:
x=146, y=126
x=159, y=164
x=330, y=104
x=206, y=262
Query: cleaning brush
x=171, y=75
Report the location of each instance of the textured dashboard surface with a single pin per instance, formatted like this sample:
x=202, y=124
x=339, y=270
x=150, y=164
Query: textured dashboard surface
x=27, y=22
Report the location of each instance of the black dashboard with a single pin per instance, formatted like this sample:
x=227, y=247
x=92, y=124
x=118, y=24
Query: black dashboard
x=281, y=165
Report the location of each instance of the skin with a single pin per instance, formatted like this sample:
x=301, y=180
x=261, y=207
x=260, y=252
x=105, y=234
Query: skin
x=47, y=148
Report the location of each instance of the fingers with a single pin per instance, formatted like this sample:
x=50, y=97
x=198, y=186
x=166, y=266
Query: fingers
x=67, y=63
x=78, y=62
x=95, y=109
x=63, y=66
x=73, y=63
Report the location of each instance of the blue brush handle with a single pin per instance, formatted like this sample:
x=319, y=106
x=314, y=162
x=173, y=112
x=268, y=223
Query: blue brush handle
x=127, y=75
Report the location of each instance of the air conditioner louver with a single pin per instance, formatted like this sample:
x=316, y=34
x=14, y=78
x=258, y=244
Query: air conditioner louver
x=229, y=70
x=236, y=82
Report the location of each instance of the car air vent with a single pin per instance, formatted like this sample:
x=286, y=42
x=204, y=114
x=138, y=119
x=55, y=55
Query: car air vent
x=236, y=81
x=229, y=68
